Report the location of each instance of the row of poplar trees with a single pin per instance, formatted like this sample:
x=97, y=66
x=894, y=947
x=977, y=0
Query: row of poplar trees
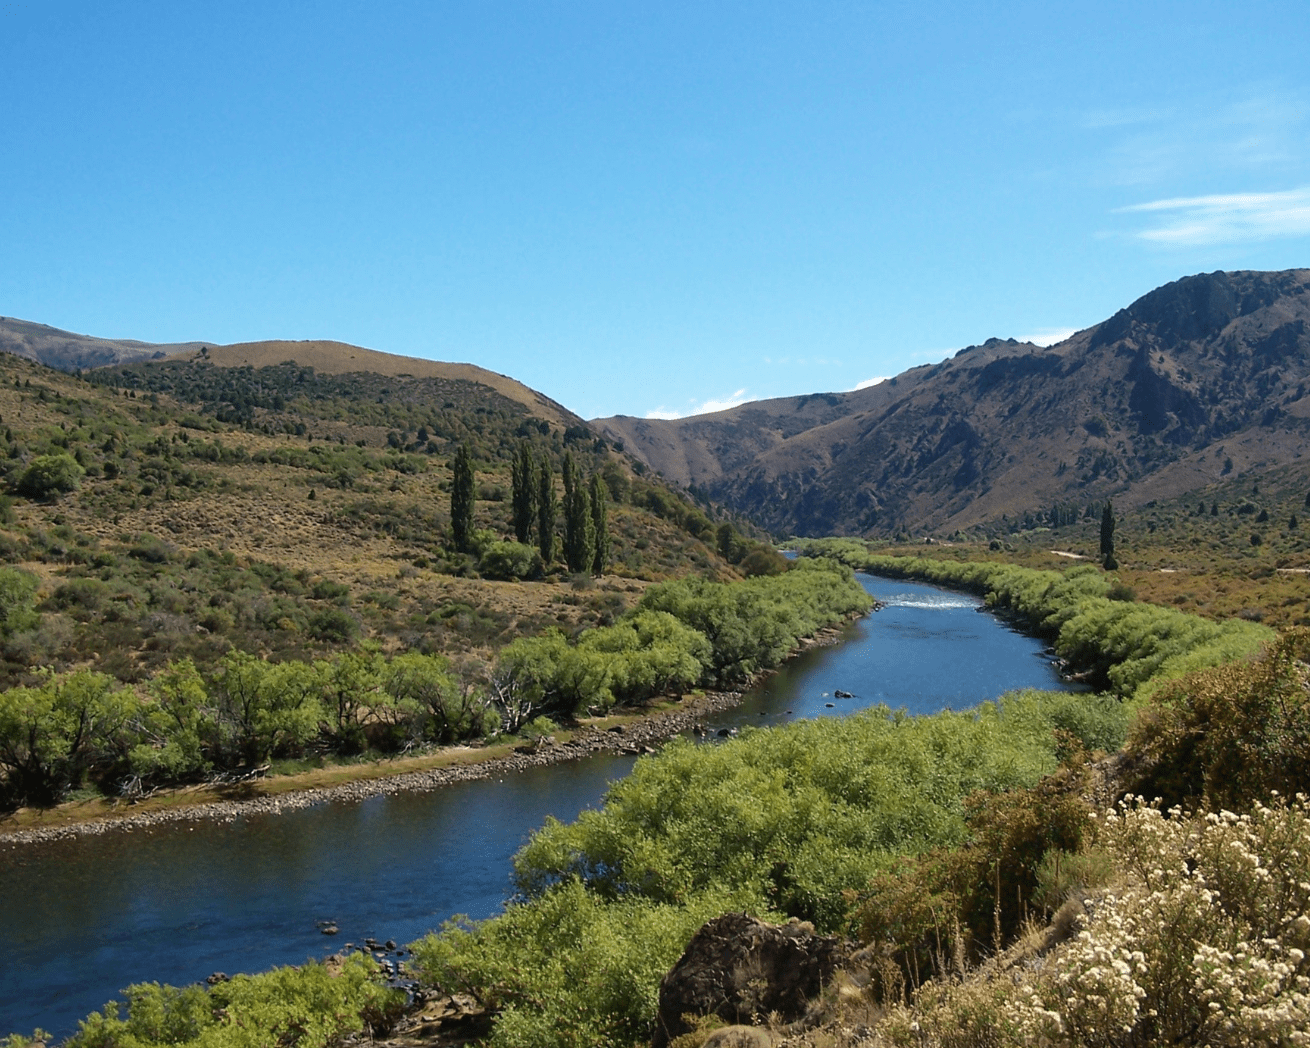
x=535, y=509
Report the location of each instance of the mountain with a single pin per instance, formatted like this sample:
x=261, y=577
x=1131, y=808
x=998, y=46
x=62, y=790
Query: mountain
x=293, y=499
x=68, y=351
x=1200, y=379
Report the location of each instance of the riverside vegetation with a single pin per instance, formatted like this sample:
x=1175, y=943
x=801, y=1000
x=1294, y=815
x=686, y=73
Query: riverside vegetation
x=213, y=569
x=973, y=852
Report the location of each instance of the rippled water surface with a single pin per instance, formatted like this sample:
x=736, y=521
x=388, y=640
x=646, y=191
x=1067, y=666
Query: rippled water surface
x=82, y=919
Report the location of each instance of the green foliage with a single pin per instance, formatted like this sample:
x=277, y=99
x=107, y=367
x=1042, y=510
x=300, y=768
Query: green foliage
x=264, y=708
x=754, y=624
x=50, y=735
x=1230, y=735
x=779, y=821
x=50, y=475
x=523, y=498
x=461, y=498
x=1107, y=534
x=599, y=525
x=547, y=510
x=17, y=600
x=930, y=914
x=579, y=528
x=1131, y=647
x=567, y=969
x=683, y=633
x=304, y=1007
x=510, y=560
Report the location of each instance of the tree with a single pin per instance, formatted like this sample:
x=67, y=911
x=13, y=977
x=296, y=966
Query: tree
x=1107, y=537
x=523, y=498
x=600, y=525
x=461, y=498
x=50, y=475
x=50, y=735
x=546, y=510
x=579, y=530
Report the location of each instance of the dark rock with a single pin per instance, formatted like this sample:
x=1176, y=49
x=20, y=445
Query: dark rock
x=738, y=967
x=830, y=705
x=390, y=944
x=216, y=978
x=842, y=694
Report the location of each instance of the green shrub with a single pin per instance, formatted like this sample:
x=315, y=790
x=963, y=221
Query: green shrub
x=50, y=475
x=510, y=560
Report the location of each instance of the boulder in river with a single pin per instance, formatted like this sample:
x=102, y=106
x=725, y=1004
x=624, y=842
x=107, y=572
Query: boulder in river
x=738, y=967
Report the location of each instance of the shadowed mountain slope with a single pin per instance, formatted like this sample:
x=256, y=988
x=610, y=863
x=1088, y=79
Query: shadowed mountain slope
x=1200, y=378
x=68, y=351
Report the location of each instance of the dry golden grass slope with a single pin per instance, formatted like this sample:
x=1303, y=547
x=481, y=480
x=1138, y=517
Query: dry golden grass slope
x=338, y=358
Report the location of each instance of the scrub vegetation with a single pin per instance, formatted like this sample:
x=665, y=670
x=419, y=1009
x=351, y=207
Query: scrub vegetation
x=193, y=586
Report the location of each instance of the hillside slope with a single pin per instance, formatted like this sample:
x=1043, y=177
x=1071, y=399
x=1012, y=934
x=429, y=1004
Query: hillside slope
x=69, y=351
x=1199, y=379
x=290, y=512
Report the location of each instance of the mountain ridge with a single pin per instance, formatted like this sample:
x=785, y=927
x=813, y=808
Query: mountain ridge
x=1200, y=377
x=73, y=352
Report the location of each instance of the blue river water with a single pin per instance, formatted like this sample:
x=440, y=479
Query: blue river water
x=80, y=920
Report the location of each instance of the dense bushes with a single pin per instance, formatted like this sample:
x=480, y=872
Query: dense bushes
x=1198, y=937
x=683, y=633
x=780, y=821
x=1228, y=735
x=246, y=710
x=84, y=725
x=308, y=1007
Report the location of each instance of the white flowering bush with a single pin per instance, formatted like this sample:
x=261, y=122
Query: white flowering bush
x=1201, y=941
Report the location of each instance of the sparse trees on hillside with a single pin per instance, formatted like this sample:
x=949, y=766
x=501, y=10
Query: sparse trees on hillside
x=461, y=498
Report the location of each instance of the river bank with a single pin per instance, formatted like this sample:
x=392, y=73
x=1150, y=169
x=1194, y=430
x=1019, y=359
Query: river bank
x=629, y=731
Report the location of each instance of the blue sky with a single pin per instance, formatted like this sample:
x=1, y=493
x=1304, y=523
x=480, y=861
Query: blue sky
x=642, y=208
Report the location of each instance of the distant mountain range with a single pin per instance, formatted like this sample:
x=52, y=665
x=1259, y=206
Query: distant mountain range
x=1198, y=380
x=68, y=351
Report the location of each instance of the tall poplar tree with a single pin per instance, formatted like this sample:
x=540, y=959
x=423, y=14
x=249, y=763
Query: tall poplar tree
x=1107, y=537
x=546, y=509
x=600, y=525
x=579, y=534
x=461, y=498
x=523, y=474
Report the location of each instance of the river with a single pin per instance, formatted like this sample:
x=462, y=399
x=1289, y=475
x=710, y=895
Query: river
x=81, y=919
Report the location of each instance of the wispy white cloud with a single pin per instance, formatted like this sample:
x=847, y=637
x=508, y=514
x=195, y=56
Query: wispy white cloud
x=1048, y=336
x=1225, y=218
x=1263, y=130
x=870, y=382
x=704, y=408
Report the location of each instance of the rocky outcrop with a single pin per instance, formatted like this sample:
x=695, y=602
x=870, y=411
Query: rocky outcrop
x=738, y=968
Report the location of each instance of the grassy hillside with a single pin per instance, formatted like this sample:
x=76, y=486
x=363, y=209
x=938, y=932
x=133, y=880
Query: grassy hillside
x=290, y=513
